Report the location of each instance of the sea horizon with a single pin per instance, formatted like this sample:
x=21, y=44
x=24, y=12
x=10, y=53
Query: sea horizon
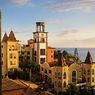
x=81, y=51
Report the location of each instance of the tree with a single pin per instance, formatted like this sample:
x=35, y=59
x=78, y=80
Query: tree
x=65, y=54
x=72, y=90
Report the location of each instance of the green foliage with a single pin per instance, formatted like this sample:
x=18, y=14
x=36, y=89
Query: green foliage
x=67, y=56
x=72, y=90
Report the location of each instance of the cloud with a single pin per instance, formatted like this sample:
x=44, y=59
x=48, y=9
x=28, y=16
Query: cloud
x=66, y=32
x=79, y=37
x=67, y=5
x=90, y=40
x=17, y=2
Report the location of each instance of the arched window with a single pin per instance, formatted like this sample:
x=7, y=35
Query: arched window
x=64, y=84
x=59, y=84
x=88, y=71
x=74, y=76
x=42, y=40
x=64, y=76
x=59, y=75
x=93, y=71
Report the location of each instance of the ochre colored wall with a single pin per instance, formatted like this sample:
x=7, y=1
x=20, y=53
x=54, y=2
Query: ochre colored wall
x=50, y=55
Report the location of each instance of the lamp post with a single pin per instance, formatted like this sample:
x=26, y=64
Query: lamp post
x=0, y=59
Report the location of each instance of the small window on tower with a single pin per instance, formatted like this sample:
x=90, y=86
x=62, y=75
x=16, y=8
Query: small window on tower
x=35, y=40
x=42, y=35
x=11, y=55
x=35, y=53
x=42, y=51
x=42, y=40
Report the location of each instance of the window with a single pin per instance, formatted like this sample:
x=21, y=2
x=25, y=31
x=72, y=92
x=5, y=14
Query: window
x=46, y=71
x=28, y=57
x=55, y=75
x=59, y=84
x=64, y=75
x=88, y=71
x=22, y=52
x=11, y=55
x=42, y=69
x=88, y=79
x=28, y=52
x=50, y=71
x=93, y=71
x=42, y=51
x=11, y=63
x=42, y=40
x=2, y=55
x=35, y=53
x=35, y=40
x=35, y=59
x=42, y=60
x=2, y=62
x=92, y=79
x=64, y=84
x=74, y=76
x=12, y=47
x=2, y=46
x=55, y=83
x=9, y=49
x=42, y=35
x=59, y=75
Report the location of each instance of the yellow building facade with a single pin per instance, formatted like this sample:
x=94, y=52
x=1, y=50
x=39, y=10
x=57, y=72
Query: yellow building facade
x=89, y=70
x=10, y=57
x=63, y=74
x=27, y=50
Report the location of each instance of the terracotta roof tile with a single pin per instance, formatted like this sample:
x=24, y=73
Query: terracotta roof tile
x=9, y=85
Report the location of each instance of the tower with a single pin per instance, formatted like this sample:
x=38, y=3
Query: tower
x=76, y=54
x=40, y=43
x=10, y=57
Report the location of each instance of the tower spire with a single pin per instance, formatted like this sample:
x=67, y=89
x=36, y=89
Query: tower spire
x=76, y=54
x=88, y=59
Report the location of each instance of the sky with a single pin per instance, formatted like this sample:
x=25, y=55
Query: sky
x=69, y=23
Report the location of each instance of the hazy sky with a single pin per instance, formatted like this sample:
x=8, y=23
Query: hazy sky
x=70, y=23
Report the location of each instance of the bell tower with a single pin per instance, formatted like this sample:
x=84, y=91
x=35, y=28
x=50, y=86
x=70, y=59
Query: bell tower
x=40, y=43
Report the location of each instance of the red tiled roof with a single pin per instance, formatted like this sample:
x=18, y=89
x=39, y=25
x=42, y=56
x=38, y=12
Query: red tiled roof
x=69, y=62
x=9, y=85
x=52, y=64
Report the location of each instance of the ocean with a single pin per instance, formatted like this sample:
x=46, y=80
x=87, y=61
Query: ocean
x=81, y=51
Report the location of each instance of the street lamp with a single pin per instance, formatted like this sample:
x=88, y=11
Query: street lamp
x=0, y=59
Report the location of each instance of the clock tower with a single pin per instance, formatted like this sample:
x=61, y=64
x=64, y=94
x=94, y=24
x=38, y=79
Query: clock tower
x=40, y=43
